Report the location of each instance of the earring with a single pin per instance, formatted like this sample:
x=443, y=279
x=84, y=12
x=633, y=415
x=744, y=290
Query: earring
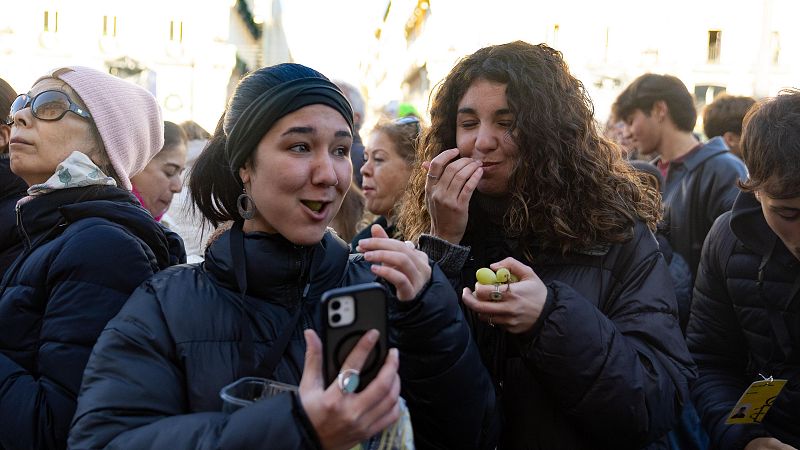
x=245, y=205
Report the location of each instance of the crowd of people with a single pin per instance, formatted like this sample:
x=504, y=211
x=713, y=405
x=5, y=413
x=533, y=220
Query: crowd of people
x=649, y=298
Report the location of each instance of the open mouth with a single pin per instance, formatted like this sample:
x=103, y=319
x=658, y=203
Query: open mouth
x=314, y=205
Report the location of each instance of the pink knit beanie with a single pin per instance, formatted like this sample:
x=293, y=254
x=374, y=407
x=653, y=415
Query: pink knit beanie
x=126, y=115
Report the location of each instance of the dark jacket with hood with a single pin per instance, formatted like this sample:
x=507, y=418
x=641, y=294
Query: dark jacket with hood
x=696, y=191
x=155, y=376
x=745, y=321
x=86, y=249
x=605, y=365
x=12, y=188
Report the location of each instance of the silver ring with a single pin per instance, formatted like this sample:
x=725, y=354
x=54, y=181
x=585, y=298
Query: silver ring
x=433, y=177
x=496, y=295
x=348, y=380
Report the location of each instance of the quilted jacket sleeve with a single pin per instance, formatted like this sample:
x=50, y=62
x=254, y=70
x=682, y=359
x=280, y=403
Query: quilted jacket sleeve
x=448, y=390
x=88, y=279
x=718, y=346
x=134, y=396
x=620, y=369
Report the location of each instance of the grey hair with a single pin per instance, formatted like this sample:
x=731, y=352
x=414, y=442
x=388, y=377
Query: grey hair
x=355, y=98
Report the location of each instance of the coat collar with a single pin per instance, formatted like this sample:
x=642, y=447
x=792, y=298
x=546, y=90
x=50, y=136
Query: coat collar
x=276, y=267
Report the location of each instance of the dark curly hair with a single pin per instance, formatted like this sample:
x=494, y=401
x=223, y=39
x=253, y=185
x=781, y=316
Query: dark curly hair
x=570, y=188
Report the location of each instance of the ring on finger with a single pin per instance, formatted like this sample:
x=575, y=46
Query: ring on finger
x=348, y=380
x=432, y=176
x=496, y=295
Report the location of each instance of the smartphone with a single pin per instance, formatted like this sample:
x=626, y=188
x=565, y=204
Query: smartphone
x=348, y=313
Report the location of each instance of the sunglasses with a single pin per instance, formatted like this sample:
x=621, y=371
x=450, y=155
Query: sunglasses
x=408, y=120
x=47, y=105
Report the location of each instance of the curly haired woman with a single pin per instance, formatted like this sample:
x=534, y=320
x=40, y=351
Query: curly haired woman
x=585, y=349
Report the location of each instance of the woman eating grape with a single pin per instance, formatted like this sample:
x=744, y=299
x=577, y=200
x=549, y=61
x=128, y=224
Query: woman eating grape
x=585, y=348
x=278, y=166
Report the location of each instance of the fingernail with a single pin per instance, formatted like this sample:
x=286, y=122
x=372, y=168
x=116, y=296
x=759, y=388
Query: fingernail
x=372, y=335
x=394, y=353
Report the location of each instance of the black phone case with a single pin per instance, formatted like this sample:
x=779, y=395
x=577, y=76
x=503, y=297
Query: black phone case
x=370, y=313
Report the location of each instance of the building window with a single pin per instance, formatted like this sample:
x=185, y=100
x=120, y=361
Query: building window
x=714, y=45
x=775, y=47
x=556, y=29
x=110, y=26
x=176, y=30
x=51, y=21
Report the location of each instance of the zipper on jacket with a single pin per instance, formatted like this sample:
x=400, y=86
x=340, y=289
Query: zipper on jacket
x=21, y=228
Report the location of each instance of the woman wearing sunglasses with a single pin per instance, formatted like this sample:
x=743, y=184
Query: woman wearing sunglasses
x=12, y=188
x=279, y=165
x=76, y=139
x=388, y=159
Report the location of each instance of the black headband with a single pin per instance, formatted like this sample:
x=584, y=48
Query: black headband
x=275, y=103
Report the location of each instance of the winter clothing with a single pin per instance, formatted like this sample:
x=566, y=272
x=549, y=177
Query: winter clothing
x=85, y=250
x=745, y=300
x=12, y=188
x=605, y=365
x=126, y=115
x=696, y=191
x=77, y=170
x=154, y=378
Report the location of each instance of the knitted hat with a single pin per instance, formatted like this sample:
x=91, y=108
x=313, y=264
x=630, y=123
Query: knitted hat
x=126, y=115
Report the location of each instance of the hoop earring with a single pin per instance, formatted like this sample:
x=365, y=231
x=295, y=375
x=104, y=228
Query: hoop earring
x=245, y=205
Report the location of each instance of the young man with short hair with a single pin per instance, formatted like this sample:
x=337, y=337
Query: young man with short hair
x=745, y=317
x=723, y=117
x=699, y=179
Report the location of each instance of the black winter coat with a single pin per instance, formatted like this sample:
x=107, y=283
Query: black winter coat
x=606, y=365
x=154, y=378
x=730, y=333
x=695, y=192
x=86, y=250
x=12, y=188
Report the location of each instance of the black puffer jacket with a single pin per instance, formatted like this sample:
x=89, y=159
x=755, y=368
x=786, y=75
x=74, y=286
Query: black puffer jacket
x=606, y=365
x=154, y=378
x=12, y=188
x=86, y=250
x=696, y=191
x=731, y=335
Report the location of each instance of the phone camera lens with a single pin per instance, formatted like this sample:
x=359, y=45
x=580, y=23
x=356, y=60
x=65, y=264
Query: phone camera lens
x=336, y=318
x=335, y=305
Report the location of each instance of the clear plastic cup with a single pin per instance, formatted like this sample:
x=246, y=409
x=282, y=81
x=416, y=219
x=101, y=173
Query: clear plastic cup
x=248, y=390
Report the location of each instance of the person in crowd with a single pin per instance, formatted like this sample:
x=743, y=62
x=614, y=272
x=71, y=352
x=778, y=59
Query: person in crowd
x=723, y=117
x=678, y=269
x=278, y=165
x=699, y=179
x=183, y=219
x=688, y=434
x=160, y=179
x=388, y=159
x=348, y=221
x=77, y=137
x=614, y=130
x=745, y=319
x=12, y=187
x=356, y=99
x=585, y=348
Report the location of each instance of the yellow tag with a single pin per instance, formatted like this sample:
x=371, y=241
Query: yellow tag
x=755, y=402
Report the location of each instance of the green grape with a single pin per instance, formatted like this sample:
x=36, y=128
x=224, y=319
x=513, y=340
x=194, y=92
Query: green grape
x=512, y=278
x=503, y=275
x=485, y=275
